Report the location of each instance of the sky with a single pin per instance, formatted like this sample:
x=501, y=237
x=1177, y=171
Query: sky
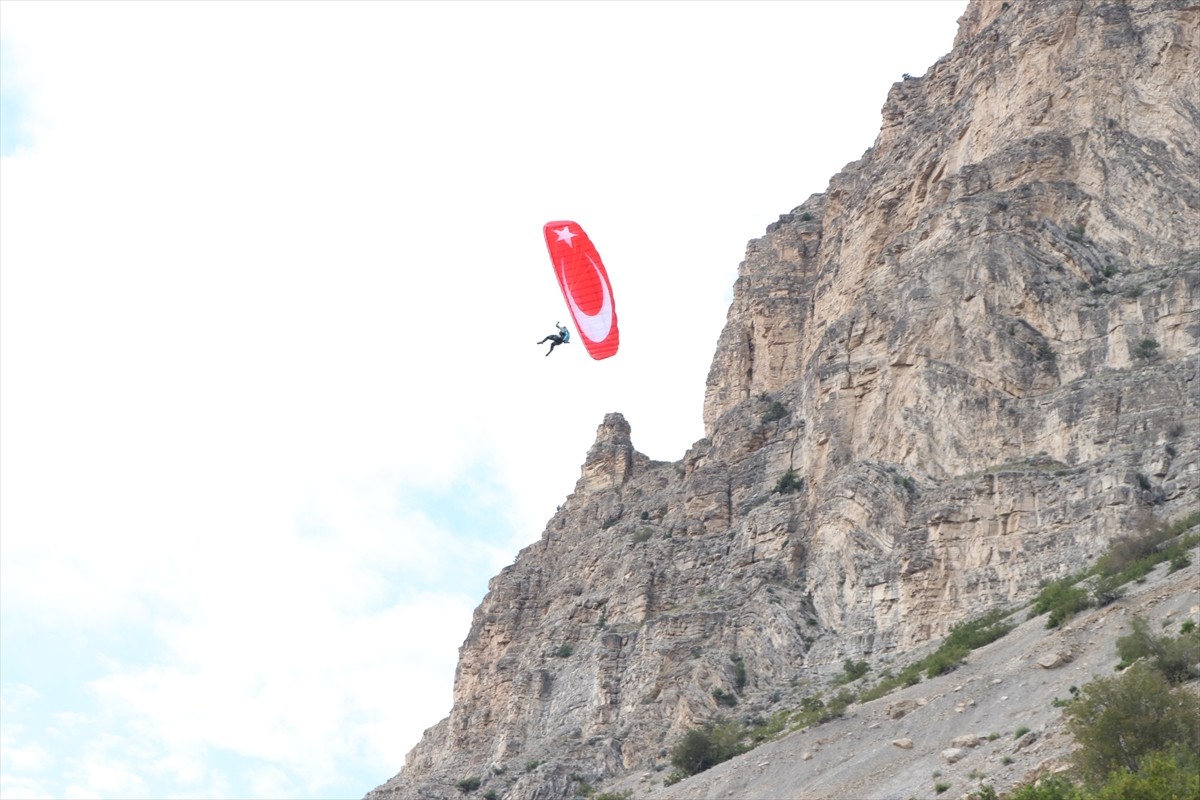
x=271, y=278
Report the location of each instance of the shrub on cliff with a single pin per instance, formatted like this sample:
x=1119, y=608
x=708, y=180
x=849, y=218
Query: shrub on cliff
x=851, y=671
x=789, y=482
x=700, y=748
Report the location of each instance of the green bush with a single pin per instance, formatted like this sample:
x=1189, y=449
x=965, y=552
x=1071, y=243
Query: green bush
x=789, y=482
x=1163, y=775
x=1169, y=774
x=1172, y=657
x=1062, y=599
x=468, y=785
x=811, y=703
x=739, y=671
x=1055, y=788
x=975, y=633
x=777, y=411
x=837, y=705
x=1135, y=645
x=772, y=727
x=943, y=660
x=1107, y=590
x=1147, y=349
x=701, y=748
x=1118, y=721
x=852, y=670
x=1125, y=551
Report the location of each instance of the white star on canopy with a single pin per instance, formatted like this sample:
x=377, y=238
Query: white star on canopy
x=565, y=234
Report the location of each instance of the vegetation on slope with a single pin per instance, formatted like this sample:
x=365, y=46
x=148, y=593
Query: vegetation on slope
x=722, y=739
x=1137, y=732
x=1128, y=558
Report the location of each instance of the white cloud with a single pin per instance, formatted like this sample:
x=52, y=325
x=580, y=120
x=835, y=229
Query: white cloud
x=272, y=274
x=271, y=687
x=22, y=787
x=104, y=770
x=18, y=757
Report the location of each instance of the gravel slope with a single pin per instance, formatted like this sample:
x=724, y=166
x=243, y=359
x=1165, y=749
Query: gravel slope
x=1001, y=690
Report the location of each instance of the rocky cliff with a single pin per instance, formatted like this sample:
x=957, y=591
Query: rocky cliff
x=963, y=369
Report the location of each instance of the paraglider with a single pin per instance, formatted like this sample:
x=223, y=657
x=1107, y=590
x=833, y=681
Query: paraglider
x=585, y=287
x=555, y=339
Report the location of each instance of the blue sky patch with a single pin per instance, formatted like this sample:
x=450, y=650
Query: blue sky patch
x=15, y=133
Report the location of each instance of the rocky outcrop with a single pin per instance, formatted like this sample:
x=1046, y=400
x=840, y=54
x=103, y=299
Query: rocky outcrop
x=961, y=370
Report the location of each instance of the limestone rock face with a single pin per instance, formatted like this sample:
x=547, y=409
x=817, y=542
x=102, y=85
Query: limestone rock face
x=963, y=369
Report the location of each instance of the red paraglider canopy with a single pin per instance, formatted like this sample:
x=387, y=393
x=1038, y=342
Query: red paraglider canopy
x=585, y=287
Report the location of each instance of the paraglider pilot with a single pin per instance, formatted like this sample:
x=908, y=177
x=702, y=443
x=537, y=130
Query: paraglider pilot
x=555, y=339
